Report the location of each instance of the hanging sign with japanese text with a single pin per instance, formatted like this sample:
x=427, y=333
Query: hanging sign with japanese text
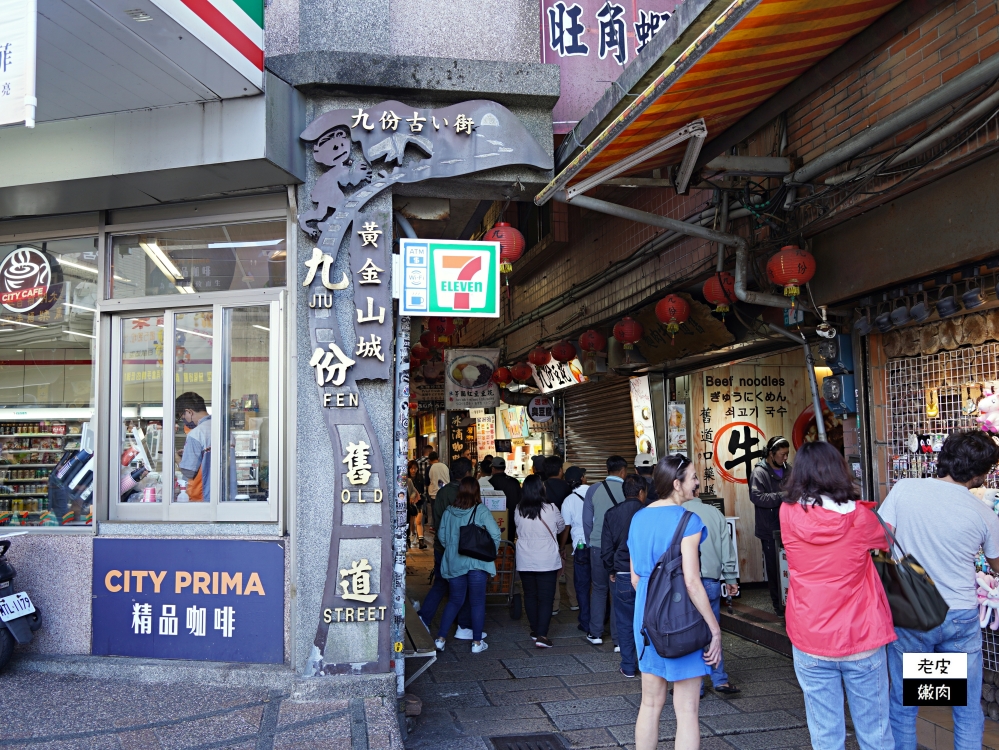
x=450, y=277
x=18, y=38
x=211, y=600
x=468, y=377
x=592, y=41
x=558, y=375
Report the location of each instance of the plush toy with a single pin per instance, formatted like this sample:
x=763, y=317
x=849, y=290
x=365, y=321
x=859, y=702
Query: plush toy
x=989, y=410
x=988, y=600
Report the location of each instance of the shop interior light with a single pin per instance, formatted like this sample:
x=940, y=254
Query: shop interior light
x=262, y=328
x=79, y=307
x=255, y=243
x=161, y=260
x=71, y=264
x=77, y=333
x=19, y=323
x=188, y=289
x=195, y=333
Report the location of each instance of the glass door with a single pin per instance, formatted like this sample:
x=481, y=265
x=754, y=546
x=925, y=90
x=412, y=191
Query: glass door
x=195, y=395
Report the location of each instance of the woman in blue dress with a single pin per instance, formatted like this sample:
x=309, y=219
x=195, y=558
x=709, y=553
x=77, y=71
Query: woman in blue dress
x=651, y=532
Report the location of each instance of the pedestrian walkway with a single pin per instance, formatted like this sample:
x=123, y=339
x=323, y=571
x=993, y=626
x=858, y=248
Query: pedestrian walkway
x=576, y=691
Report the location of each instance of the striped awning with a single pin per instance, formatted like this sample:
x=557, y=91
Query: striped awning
x=750, y=52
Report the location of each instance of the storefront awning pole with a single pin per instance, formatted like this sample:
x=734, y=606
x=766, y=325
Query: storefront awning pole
x=820, y=422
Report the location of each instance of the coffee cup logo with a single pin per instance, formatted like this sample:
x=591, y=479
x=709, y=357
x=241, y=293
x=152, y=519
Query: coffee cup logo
x=25, y=276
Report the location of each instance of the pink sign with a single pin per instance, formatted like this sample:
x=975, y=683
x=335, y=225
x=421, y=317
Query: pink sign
x=592, y=41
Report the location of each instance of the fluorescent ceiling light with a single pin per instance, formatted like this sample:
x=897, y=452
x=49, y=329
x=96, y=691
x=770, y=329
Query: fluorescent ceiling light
x=19, y=323
x=71, y=264
x=196, y=333
x=161, y=260
x=185, y=289
x=79, y=307
x=77, y=333
x=262, y=328
x=256, y=243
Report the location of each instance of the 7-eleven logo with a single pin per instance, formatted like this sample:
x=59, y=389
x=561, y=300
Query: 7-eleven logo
x=462, y=278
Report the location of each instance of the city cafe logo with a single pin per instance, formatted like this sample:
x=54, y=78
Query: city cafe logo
x=25, y=278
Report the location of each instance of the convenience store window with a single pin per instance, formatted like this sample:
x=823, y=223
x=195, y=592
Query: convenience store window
x=48, y=300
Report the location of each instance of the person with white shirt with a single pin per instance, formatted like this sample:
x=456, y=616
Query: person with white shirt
x=572, y=513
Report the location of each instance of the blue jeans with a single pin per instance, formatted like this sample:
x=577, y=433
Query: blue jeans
x=428, y=610
x=866, y=684
x=713, y=588
x=581, y=581
x=624, y=610
x=470, y=587
x=959, y=633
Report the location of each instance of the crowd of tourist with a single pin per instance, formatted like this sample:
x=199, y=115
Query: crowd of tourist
x=620, y=540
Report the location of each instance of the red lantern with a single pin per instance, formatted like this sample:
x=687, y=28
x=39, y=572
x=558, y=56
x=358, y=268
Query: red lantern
x=628, y=331
x=673, y=310
x=791, y=268
x=419, y=352
x=719, y=290
x=592, y=341
x=539, y=356
x=511, y=244
x=502, y=377
x=563, y=352
x=442, y=328
x=428, y=340
x=521, y=372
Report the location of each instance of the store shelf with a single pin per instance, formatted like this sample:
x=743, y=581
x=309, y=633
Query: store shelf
x=24, y=494
x=28, y=466
x=32, y=480
x=39, y=435
x=33, y=450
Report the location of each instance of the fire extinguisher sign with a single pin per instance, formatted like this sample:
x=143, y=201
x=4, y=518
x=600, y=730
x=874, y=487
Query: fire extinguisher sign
x=450, y=277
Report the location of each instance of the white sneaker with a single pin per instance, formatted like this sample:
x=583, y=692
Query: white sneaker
x=466, y=634
x=617, y=649
x=479, y=646
x=596, y=640
x=439, y=643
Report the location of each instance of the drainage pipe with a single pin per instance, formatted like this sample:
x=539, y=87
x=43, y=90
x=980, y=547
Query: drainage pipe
x=964, y=84
x=722, y=227
x=404, y=225
x=692, y=230
x=820, y=422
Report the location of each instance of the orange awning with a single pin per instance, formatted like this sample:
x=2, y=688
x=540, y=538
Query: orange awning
x=752, y=50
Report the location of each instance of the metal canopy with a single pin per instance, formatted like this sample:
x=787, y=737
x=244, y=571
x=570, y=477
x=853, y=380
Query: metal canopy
x=748, y=53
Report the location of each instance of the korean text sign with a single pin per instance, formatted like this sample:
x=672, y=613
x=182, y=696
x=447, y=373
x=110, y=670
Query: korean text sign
x=450, y=277
x=212, y=600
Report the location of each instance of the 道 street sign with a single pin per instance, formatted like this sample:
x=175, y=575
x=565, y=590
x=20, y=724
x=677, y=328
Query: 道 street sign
x=450, y=277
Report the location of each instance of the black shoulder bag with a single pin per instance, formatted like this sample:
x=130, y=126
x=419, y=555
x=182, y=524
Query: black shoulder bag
x=474, y=541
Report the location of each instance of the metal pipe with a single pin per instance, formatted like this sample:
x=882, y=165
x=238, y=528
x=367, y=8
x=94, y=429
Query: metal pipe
x=692, y=230
x=820, y=422
x=404, y=225
x=964, y=84
x=723, y=226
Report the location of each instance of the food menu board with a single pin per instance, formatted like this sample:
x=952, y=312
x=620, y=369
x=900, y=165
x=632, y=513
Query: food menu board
x=676, y=424
x=485, y=435
x=468, y=378
x=641, y=411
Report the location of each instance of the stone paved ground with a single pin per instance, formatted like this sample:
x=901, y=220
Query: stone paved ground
x=576, y=690
x=67, y=712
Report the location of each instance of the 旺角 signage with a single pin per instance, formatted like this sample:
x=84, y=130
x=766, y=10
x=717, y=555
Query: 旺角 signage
x=558, y=375
x=450, y=277
x=18, y=38
x=592, y=41
x=202, y=599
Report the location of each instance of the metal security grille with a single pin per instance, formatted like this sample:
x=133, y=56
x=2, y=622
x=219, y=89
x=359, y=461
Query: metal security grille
x=948, y=380
x=528, y=742
x=598, y=424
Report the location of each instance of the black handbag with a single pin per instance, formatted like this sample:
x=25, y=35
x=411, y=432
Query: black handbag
x=475, y=542
x=912, y=596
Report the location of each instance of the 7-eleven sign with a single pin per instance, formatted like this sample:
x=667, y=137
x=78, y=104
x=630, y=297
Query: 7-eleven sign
x=450, y=277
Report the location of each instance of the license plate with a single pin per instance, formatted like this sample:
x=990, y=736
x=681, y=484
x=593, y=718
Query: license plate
x=14, y=606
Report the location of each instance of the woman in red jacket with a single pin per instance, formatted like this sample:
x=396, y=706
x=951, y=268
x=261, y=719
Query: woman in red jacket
x=838, y=618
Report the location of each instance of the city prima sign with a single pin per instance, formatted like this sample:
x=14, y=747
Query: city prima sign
x=450, y=277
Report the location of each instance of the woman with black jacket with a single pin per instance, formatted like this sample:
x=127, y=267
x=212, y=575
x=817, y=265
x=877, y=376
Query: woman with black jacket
x=765, y=493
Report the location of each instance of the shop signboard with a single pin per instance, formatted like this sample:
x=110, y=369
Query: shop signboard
x=641, y=415
x=461, y=435
x=540, y=409
x=200, y=599
x=18, y=39
x=592, y=41
x=558, y=375
x=30, y=279
x=485, y=434
x=450, y=277
x=676, y=423
x=468, y=378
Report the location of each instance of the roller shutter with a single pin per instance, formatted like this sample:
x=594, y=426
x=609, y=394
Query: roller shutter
x=598, y=424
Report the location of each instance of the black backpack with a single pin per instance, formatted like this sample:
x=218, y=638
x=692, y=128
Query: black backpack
x=670, y=621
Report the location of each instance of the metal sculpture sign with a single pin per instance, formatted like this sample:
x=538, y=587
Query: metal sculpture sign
x=365, y=152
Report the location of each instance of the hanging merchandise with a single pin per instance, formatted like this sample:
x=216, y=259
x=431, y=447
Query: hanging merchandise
x=672, y=310
x=563, y=352
x=502, y=377
x=932, y=403
x=539, y=356
x=989, y=408
x=511, y=244
x=628, y=331
x=719, y=290
x=522, y=372
x=791, y=268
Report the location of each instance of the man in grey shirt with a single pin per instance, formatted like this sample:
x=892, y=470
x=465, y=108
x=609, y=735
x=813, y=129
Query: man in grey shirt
x=941, y=524
x=600, y=497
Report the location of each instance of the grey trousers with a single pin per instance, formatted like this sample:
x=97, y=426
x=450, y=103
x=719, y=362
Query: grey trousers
x=599, y=596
